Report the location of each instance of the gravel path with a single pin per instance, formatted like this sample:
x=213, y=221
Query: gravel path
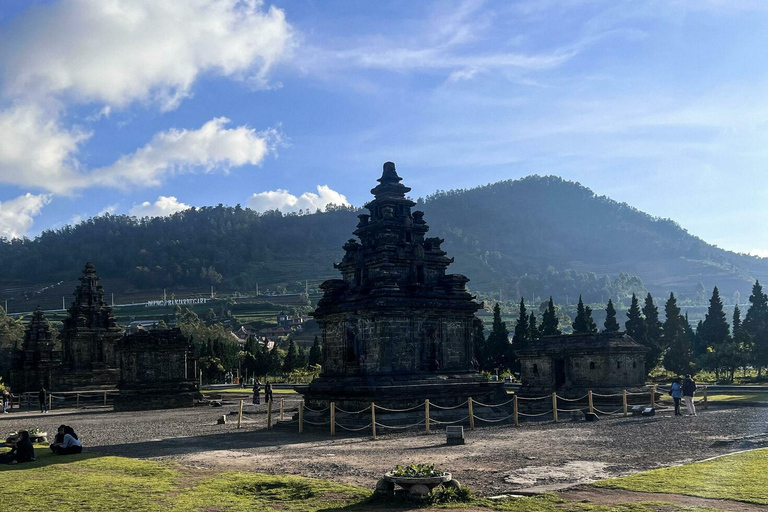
x=494, y=460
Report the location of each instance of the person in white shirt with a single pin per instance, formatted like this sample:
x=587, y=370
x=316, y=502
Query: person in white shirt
x=70, y=444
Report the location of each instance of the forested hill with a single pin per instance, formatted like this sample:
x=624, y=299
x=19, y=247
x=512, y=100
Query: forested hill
x=534, y=236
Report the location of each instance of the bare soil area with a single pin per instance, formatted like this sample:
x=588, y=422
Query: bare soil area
x=494, y=460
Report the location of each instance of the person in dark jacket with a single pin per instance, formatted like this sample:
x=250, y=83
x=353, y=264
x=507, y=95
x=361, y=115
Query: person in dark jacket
x=267, y=392
x=689, y=388
x=41, y=397
x=256, y=391
x=69, y=445
x=677, y=394
x=22, y=450
x=59, y=438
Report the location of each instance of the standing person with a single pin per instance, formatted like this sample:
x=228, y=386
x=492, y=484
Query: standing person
x=256, y=391
x=41, y=397
x=689, y=388
x=267, y=392
x=677, y=394
x=6, y=398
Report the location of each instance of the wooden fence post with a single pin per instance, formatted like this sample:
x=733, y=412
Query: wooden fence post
x=301, y=416
x=624, y=401
x=269, y=414
x=239, y=413
x=333, y=418
x=426, y=414
x=77, y=403
x=554, y=406
x=591, y=403
x=653, y=396
x=282, y=408
x=706, y=403
x=50, y=401
x=514, y=410
x=373, y=419
x=471, y=414
x=105, y=398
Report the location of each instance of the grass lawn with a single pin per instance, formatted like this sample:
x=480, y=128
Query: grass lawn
x=740, y=477
x=249, y=391
x=744, y=397
x=89, y=482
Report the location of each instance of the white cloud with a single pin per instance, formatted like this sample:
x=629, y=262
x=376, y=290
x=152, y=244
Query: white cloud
x=165, y=205
x=16, y=215
x=213, y=147
x=143, y=50
x=109, y=209
x=760, y=253
x=286, y=202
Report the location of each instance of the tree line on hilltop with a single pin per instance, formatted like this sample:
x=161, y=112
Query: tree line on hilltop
x=713, y=345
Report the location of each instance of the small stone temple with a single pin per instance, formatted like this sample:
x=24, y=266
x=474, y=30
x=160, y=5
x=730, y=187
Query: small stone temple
x=396, y=327
x=36, y=363
x=571, y=365
x=89, y=339
x=156, y=371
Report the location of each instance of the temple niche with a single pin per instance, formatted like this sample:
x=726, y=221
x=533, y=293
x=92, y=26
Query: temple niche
x=36, y=363
x=397, y=329
x=89, y=339
x=156, y=371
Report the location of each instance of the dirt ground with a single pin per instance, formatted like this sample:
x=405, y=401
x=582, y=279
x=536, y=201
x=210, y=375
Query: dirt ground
x=495, y=460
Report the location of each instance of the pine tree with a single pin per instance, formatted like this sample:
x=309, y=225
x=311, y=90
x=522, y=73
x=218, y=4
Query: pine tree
x=713, y=336
x=498, y=343
x=549, y=323
x=611, y=325
x=756, y=326
x=635, y=324
x=479, y=344
x=654, y=334
x=522, y=335
x=583, y=322
x=532, y=327
x=291, y=361
x=315, y=353
x=677, y=359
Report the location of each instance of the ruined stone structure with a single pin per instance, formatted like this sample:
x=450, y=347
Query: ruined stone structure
x=37, y=362
x=396, y=328
x=572, y=365
x=89, y=339
x=156, y=371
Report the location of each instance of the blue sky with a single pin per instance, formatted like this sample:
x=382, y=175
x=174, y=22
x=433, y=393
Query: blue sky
x=149, y=106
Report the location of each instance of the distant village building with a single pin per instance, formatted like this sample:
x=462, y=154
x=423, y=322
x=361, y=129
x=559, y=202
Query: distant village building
x=571, y=365
x=290, y=322
x=141, y=325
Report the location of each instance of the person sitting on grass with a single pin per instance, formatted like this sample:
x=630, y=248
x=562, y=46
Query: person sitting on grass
x=22, y=450
x=59, y=438
x=69, y=445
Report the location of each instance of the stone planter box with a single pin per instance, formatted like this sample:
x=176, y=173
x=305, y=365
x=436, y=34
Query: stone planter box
x=414, y=485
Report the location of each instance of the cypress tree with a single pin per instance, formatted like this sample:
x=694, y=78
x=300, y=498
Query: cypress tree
x=498, y=355
x=291, y=361
x=478, y=341
x=549, y=323
x=532, y=326
x=635, y=324
x=756, y=326
x=522, y=335
x=315, y=353
x=583, y=322
x=677, y=359
x=714, y=329
x=611, y=325
x=654, y=334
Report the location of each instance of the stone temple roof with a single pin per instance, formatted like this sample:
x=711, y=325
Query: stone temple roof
x=582, y=343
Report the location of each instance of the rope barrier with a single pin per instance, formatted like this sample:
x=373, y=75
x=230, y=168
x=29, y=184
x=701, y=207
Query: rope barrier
x=574, y=399
x=353, y=412
x=316, y=410
x=536, y=398
x=494, y=421
x=568, y=410
x=316, y=423
x=493, y=405
x=400, y=427
x=420, y=406
x=617, y=411
x=608, y=396
x=638, y=393
x=448, y=422
x=446, y=408
x=353, y=429
x=534, y=415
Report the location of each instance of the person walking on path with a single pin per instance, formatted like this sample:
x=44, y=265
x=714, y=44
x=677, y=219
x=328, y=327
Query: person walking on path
x=6, y=398
x=267, y=392
x=256, y=391
x=689, y=388
x=42, y=398
x=677, y=394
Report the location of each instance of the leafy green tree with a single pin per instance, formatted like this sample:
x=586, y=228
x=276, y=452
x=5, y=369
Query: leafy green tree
x=611, y=325
x=583, y=323
x=497, y=343
x=756, y=326
x=315, y=353
x=678, y=355
x=291, y=361
x=549, y=323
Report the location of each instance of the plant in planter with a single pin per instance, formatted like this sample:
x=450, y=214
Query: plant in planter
x=417, y=479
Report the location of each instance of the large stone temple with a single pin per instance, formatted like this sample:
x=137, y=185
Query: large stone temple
x=36, y=363
x=397, y=329
x=90, y=339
